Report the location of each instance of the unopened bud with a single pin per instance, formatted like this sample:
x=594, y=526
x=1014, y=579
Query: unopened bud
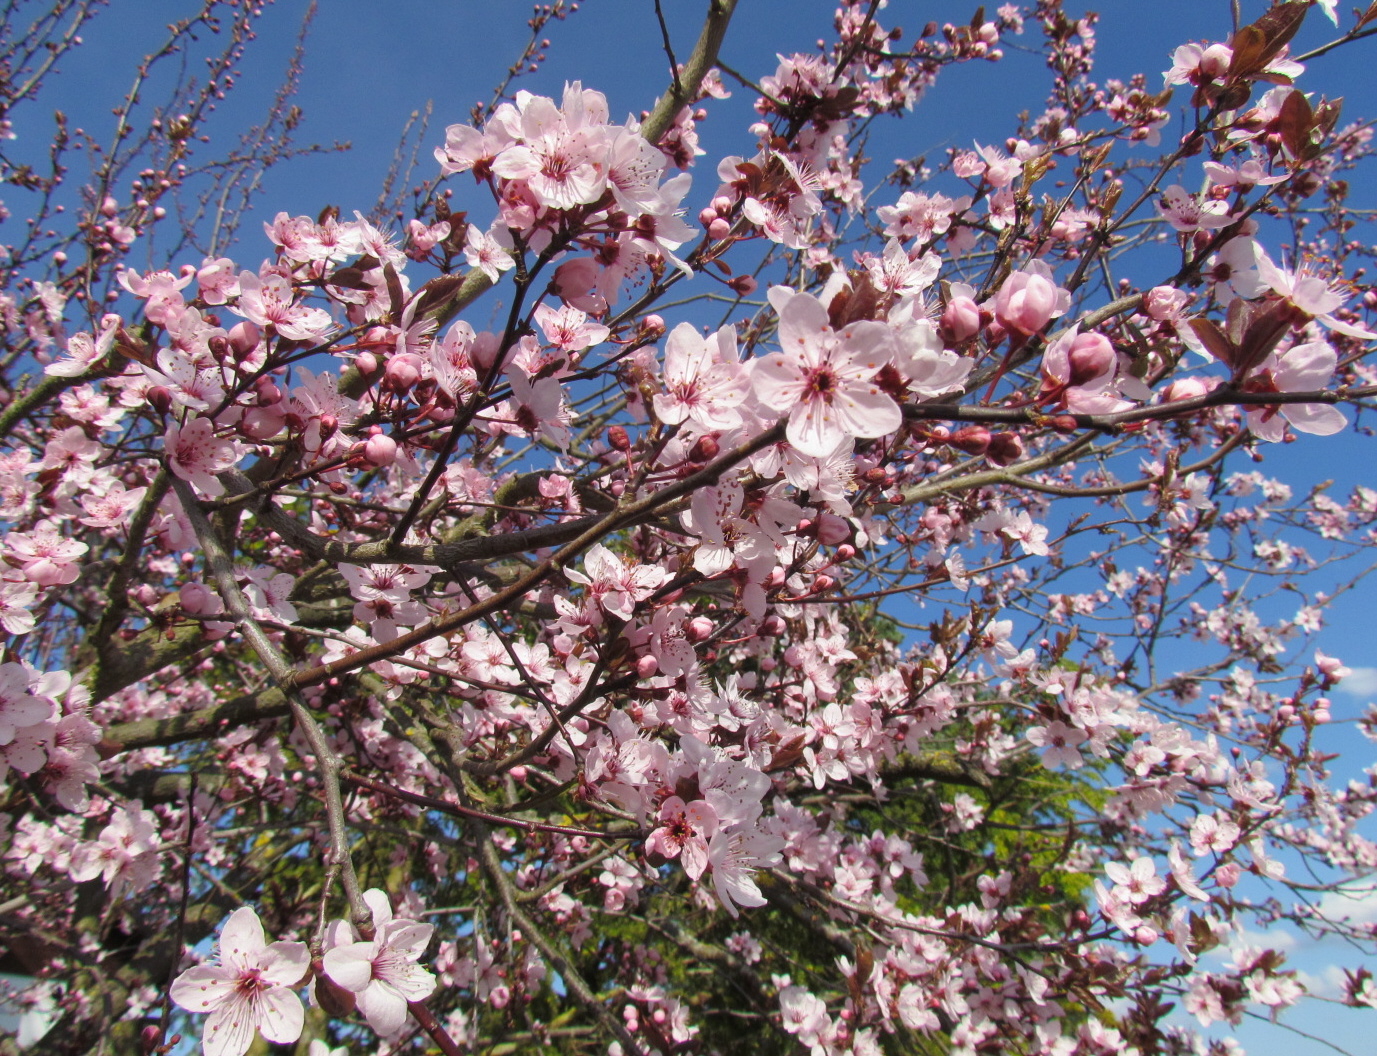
x=617, y=438
x=647, y=666
x=960, y=320
x=1064, y=424
x=1005, y=449
x=1091, y=357
x=744, y=285
x=718, y=229
x=403, y=372
x=698, y=629
x=832, y=529
x=244, y=338
x=334, y=1000
x=705, y=450
x=366, y=364
x=972, y=439
x=652, y=324
x=262, y=423
x=160, y=398
x=380, y=450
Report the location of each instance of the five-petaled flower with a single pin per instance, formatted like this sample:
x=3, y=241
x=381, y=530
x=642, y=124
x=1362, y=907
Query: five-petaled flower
x=823, y=378
x=251, y=989
x=383, y=972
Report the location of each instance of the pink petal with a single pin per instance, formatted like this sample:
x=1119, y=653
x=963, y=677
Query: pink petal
x=351, y=966
x=407, y=937
x=384, y=1008
x=280, y=1015
x=241, y=940
x=204, y=987
x=285, y=963
x=229, y=1030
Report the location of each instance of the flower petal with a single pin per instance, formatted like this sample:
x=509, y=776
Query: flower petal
x=229, y=1030
x=204, y=987
x=280, y=1015
x=241, y=939
x=384, y=1007
x=351, y=966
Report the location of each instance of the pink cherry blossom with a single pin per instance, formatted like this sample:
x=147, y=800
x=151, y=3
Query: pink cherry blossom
x=383, y=971
x=251, y=989
x=1302, y=368
x=196, y=454
x=823, y=379
x=704, y=381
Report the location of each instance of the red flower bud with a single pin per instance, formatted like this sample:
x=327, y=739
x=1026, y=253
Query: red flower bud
x=705, y=450
x=160, y=397
x=972, y=439
x=1005, y=449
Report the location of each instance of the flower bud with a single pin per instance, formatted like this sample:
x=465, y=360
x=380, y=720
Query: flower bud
x=1005, y=449
x=244, y=338
x=617, y=438
x=1090, y=358
x=262, y=423
x=403, y=372
x=574, y=279
x=366, y=364
x=960, y=320
x=380, y=450
x=705, y=450
x=160, y=398
x=719, y=229
x=647, y=666
x=832, y=529
x=1029, y=299
x=972, y=439
x=333, y=999
x=743, y=285
x=198, y=599
x=698, y=629
x=652, y=324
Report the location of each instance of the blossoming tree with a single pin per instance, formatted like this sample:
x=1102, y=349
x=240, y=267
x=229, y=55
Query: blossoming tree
x=832, y=603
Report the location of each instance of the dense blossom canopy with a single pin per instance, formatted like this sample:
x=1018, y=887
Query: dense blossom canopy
x=836, y=604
